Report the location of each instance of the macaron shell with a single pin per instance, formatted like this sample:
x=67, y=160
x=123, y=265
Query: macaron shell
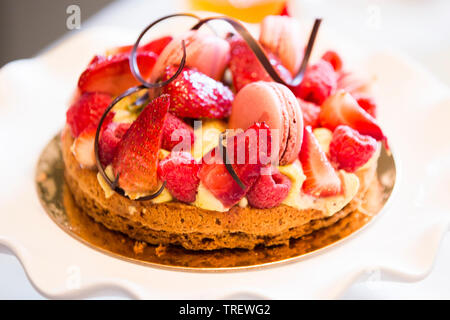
x=262, y=101
x=209, y=54
x=282, y=36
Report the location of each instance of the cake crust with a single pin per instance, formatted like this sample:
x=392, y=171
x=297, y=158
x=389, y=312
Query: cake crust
x=191, y=227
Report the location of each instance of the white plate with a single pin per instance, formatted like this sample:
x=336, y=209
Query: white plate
x=402, y=243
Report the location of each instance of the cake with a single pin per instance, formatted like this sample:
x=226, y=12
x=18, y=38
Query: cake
x=190, y=141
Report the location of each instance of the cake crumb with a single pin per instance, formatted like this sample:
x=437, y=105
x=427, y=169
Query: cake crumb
x=160, y=250
x=139, y=247
x=132, y=210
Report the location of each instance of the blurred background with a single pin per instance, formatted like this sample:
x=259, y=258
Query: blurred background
x=417, y=28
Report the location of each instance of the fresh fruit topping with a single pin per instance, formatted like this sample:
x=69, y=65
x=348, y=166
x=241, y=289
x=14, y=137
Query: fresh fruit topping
x=112, y=75
x=109, y=139
x=349, y=149
x=334, y=59
x=177, y=133
x=342, y=108
x=207, y=53
x=269, y=190
x=155, y=46
x=367, y=103
x=248, y=152
x=86, y=111
x=285, y=10
x=323, y=136
x=136, y=158
x=318, y=83
x=246, y=68
x=180, y=170
x=83, y=148
x=321, y=178
x=282, y=36
x=352, y=83
x=310, y=113
x=195, y=95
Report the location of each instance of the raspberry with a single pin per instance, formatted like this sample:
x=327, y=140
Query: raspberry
x=310, y=112
x=176, y=132
x=318, y=83
x=269, y=190
x=109, y=140
x=334, y=59
x=367, y=103
x=179, y=170
x=349, y=149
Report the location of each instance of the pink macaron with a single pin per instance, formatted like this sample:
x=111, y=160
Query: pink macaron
x=276, y=105
x=207, y=53
x=282, y=36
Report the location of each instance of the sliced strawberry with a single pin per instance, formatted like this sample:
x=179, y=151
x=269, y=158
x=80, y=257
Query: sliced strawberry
x=195, y=95
x=342, y=108
x=109, y=140
x=136, y=158
x=248, y=152
x=155, y=46
x=246, y=68
x=285, y=11
x=349, y=149
x=179, y=170
x=112, y=75
x=177, y=133
x=269, y=190
x=86, y=111
x=318, y=83
x=310, y=113
x=367, y=103
x=83, y=148
x=334, y=59
x=321, y=178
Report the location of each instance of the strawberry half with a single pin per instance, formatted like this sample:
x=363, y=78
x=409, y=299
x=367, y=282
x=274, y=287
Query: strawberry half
x=321, y=178
x=246, y=68
x=179, y=171
x=109, y=140
x=155, y=46
x=112, y=75
x=136, y=158
x=248, y=153
x=83, y=148
x=177, y=133
x=195, y=95
x=86, y=111
x=342, y=108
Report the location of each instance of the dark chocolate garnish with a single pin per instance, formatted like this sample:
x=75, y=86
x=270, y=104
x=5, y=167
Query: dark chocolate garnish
x=259, y=51
x=114, y=184
x=227, y=163
x=133, y=61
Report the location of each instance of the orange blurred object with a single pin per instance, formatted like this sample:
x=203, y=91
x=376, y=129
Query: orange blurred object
x=245, y=10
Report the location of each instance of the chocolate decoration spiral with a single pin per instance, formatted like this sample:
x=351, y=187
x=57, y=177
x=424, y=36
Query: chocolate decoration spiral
x=227, y=163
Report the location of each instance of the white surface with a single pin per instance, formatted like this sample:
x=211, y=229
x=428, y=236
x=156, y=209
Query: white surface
x=411, y=230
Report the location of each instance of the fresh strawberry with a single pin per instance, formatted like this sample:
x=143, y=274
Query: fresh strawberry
x=367, y=103
x=318, y=83
x=321, y=178
x=83, y=148
x=155, y=46
x=177, y=133
x=342, y=108
x=86, y=111
x=109, y=140
x=195, y=95
x=179, y=170
x=136, y=158
x=246, y=68
x=334, y=59
x=112, y=75
x=269, y=190
x=248, y=152
x=310, y=113
x=285, y=11
x=349, y=150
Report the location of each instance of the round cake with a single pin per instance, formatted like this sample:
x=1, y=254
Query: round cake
x=156, y=166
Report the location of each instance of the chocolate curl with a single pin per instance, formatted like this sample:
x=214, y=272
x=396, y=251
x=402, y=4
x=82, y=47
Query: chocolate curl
x=259, y=51
x=114, y=184
x=227, y=163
